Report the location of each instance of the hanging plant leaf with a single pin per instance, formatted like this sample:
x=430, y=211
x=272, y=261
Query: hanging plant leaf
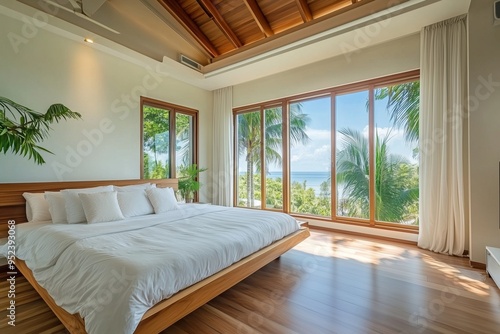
x=21, y=129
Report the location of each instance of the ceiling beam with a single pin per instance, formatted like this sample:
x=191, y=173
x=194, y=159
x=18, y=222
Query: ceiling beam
x=214, y=14
x=173, y=7
x=259, y=17
x=335, y=6
x=304, y=10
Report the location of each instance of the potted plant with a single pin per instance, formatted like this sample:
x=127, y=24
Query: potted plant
x=188, y=183
x=21, y=129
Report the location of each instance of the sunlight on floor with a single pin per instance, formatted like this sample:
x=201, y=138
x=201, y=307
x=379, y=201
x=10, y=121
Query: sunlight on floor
x=390, y=256
x=349, y=248
x=471, y=280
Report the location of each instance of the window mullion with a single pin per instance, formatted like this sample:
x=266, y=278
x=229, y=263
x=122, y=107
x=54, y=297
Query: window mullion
x=262, y=158
x=333, y=168
x=236, y=160
x=286, y=156
x=371, y=143
x=171, y=145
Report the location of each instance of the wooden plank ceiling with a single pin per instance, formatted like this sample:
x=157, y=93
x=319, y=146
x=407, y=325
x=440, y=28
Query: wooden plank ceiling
x=224, y=27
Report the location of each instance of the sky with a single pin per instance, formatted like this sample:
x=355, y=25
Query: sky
x=315, y=156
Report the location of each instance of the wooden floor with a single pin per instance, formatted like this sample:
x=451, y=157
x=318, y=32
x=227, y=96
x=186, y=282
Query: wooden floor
x=330, y=283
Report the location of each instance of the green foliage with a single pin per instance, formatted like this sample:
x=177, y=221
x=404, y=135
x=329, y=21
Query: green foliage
x=243, y=186
x=404, y=106
x=396, y=180
x=249, y=139
x=21, y=129
x=156, y=141
x=155, y=169
x=303, y=199
x=159, y=171
x=274, y=193
x=188, y=183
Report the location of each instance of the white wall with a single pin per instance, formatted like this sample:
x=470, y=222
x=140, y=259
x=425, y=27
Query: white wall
x=388, y=58
x=484, y=119
x=396, y=56
x=46, y=68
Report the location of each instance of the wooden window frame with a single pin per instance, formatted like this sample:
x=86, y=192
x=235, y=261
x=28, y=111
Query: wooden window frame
x=174, y=109
x=370, y=86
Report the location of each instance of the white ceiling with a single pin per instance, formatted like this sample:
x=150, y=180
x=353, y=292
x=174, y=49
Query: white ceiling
x=117, y=22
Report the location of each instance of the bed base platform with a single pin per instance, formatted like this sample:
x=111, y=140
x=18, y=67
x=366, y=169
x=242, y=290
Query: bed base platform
x=170, y=310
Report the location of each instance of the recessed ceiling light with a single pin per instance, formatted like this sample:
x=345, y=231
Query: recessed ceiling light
x=89, y=40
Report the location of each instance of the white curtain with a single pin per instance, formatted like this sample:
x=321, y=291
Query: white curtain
x=222, y=158
x=443, y=96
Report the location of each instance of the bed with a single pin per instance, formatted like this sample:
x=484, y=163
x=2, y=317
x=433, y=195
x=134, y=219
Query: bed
x=84, y=251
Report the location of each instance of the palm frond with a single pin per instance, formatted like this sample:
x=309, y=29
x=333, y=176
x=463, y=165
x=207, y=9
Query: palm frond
x=403, y=103
x=395, y=186
x=58, y=111
x=24, y=129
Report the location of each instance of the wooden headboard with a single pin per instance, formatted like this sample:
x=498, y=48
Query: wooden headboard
x=13, y=205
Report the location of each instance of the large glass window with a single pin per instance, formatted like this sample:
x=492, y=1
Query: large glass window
x=249, y=153
x=310, y=156
x=347, y=154
x=164, y=152
x=396, y=132
x=273, y=153
x=259, y=150
x=352, y=155
x=156, y=142
x=184, y=144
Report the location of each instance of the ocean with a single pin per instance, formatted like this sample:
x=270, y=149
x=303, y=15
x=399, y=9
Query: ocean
x=313, y=179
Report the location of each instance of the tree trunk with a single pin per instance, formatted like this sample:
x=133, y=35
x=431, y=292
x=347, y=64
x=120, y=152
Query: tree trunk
x=251, y=186
x=249, y=181
x=156, y=158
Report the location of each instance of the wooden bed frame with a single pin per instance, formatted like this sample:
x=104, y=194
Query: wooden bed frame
x=166, y=312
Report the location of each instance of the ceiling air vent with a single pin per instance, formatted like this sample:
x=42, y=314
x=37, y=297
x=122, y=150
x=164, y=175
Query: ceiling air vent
x=191, y=63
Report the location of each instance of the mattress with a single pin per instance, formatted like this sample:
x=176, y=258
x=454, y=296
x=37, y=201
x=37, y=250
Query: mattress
x=111, y=273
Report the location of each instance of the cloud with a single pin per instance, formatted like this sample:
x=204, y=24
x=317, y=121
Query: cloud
x=295, y=157
x=317, y=134
x=323, y=150
x=394, y=133
x=315, y=155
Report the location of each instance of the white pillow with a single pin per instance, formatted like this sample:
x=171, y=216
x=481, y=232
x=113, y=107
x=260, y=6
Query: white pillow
x=162, y=199
x=73, y=205
x=37, y=207
x=134, y=203
x=100, y=207
x=56, y=207
x=133, y=187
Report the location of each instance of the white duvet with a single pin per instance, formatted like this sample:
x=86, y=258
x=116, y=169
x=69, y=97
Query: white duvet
x=112, y=273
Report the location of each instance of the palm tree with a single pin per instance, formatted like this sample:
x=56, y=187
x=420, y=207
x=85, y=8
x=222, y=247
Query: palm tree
x=396, y=185
x=353, y=173
x=156, y=126
x=249, y=139
x=404, y=106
